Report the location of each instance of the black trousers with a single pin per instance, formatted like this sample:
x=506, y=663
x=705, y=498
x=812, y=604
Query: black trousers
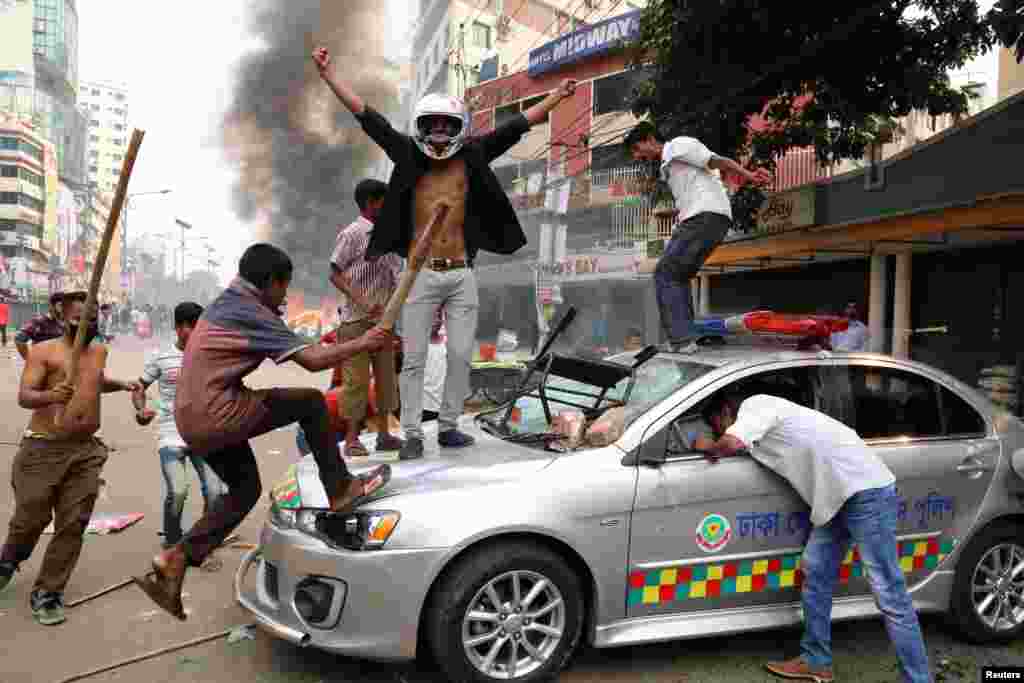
x=236, y=466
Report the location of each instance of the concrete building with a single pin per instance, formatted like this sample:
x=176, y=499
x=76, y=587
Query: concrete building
x=463, y=43
x=39, y=76
x=92, y=222
x=38, y=105
x=106, y=104
x=1011, y=74
x=25, y=241
x=572, y=184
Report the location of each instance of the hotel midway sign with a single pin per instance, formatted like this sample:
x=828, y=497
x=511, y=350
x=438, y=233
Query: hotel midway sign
x=784, y=211
x=585, y=42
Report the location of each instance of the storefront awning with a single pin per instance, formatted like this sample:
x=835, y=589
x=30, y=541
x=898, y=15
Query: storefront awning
x=997, y=216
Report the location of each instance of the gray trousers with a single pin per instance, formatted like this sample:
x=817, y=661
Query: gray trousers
x=456, y=293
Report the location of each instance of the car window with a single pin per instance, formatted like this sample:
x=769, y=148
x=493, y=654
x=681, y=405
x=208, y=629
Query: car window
x=889, y=403
x=792, y=384
x=961, y=419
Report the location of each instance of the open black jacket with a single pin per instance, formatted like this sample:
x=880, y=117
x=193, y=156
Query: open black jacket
x=491, y=222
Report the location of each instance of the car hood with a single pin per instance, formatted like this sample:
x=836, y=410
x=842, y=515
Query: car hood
x=489, y=461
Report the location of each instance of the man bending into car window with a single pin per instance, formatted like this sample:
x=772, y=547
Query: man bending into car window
x=852, y=495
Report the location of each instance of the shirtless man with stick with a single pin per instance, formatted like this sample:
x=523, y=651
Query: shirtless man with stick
x=56, y=473
x=440, y=163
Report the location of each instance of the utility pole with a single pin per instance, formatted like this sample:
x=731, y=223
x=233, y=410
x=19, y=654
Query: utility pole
x=184, y=226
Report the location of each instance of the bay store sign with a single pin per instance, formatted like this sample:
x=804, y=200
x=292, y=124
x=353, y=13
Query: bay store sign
x=585, y=42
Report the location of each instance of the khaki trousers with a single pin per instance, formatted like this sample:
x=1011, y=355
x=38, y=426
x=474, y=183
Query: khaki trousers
x=59, y=481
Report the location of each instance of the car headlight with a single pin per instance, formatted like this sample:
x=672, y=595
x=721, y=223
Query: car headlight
x=302, y=519
x=368, y=530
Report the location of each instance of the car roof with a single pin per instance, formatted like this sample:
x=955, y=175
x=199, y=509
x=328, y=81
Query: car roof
x=746, y=354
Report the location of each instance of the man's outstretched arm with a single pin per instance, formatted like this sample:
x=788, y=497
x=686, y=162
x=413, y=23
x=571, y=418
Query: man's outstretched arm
x=317, y=358
x=538, y=112
x=353, y=102
x=376, y=126
x=505, y=136
x=757, y=177
x=722, y=448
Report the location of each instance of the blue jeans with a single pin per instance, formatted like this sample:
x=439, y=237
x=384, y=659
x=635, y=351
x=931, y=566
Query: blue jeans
x=868, y=519
x=300, y=441
x=691, y=244
x=174, y=464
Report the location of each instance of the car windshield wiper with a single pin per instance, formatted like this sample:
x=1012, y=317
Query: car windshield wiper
x=534, y=437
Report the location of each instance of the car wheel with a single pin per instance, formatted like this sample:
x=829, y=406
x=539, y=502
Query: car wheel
x=988, y=591
x=509, y=612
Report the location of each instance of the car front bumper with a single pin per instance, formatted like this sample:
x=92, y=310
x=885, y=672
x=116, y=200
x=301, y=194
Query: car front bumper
x=376, y=602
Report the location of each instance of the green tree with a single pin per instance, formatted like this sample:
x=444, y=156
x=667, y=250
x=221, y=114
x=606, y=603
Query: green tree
x=832, y=75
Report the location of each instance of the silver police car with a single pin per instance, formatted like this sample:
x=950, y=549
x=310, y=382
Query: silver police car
x=501, y=560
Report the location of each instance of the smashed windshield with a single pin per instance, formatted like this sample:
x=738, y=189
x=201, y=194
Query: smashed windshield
x=656, y=380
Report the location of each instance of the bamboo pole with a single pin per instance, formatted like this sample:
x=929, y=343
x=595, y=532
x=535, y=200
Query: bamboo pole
x=99, y=593
x=417, y=257
x=101, y=256
x=151, y=654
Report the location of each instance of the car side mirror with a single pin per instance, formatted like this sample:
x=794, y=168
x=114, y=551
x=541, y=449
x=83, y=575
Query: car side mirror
x=651, y=453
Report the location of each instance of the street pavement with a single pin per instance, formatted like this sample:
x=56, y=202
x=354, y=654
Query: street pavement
x=125, y=624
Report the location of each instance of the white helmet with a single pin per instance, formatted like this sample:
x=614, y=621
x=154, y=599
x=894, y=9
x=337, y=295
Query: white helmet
x=440, y=145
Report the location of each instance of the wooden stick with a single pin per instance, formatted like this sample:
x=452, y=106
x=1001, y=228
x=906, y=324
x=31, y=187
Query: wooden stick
x=153, y=653
x=91, y=596
x=101, y=256
x=417, y=257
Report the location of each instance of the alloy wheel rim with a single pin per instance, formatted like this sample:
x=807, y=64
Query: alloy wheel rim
x=513, y=624
x=997, y=587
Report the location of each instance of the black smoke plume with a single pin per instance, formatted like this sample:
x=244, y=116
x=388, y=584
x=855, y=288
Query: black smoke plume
x=299, y=151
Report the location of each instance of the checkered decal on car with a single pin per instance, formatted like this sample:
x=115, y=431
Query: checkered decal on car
x=713, y=580
x=286, y=492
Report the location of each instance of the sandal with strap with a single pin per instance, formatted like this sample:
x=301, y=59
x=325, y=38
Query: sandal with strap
x=164, y=591
x=369, y=483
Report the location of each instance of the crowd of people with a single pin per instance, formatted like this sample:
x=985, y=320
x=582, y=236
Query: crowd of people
x=206, y=415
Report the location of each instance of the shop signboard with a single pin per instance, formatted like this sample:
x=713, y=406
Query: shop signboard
x=589, y=41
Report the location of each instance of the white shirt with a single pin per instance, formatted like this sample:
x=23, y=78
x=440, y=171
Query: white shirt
x=695, y=187
x=433, y=377
x=824, y=460
x=164, y=366
x=853, y=338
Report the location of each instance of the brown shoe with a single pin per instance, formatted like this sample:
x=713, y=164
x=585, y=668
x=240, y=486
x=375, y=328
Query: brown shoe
x=389, y=442
x=798, y=669
x=356, y=490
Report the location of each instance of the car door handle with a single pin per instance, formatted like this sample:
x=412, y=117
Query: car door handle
x=971, y=465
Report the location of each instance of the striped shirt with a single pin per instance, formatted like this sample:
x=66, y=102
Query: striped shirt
x=163, y=367
x=372, y=281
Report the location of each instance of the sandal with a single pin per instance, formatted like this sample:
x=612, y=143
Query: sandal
x=164, y=591
x=370, y=483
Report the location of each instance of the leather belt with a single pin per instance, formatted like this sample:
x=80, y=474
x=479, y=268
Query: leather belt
x=443, y=264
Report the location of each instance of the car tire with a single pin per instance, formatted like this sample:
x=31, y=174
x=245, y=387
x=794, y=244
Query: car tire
x=466, y=586
x=980, y=552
